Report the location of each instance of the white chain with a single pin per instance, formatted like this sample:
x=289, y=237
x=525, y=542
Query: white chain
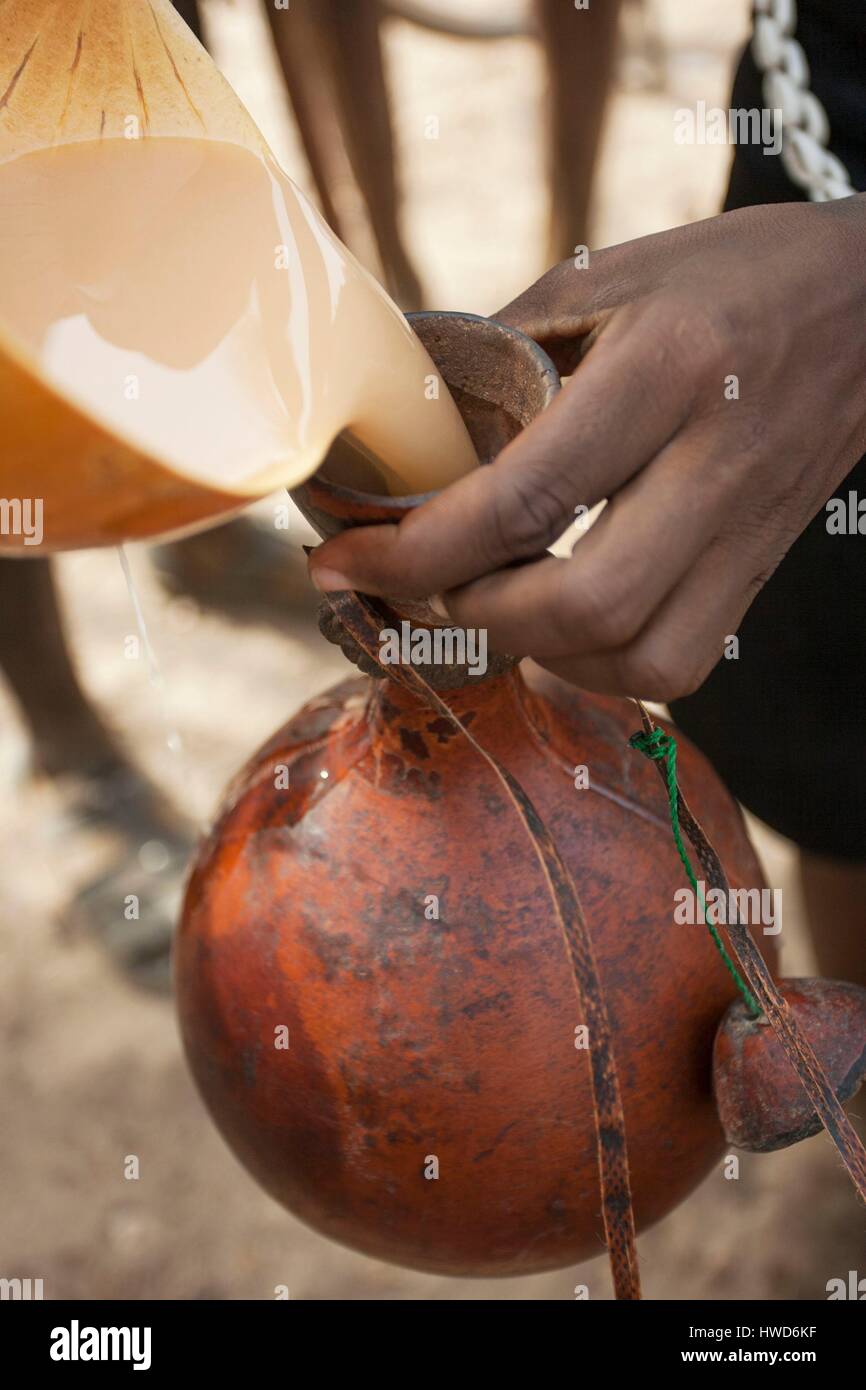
x=805, y=127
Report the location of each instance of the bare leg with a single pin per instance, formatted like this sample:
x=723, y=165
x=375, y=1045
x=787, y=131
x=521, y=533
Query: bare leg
x=67, y=734
x=305, y=60
x=106, y=792
x=835, y=894
x=332, y=63
x=353, y=32
x=580, y=46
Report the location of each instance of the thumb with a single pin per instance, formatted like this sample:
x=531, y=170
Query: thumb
x=558, y=312
x=566, y=309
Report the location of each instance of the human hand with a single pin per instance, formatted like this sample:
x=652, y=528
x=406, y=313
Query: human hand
x=718, y=398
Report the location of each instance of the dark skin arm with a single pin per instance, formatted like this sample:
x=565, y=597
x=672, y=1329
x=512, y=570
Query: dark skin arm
x=705, y=493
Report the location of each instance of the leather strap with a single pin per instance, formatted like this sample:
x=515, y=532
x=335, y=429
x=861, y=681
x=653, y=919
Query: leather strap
x=363, y=620
x=798, y=1049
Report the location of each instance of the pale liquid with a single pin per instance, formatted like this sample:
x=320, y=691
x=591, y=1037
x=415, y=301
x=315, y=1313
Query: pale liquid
x=188, y=296
x=173, y=740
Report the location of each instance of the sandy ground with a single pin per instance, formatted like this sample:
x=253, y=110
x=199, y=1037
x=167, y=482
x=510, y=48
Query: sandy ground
x=91, y=1067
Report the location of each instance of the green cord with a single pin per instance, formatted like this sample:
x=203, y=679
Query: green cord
x=662, y=747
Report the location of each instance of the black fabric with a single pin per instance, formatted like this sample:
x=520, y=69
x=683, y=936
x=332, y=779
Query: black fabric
x=785, y=724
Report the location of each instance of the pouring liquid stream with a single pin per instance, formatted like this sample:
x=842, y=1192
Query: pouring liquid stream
x=173, y=740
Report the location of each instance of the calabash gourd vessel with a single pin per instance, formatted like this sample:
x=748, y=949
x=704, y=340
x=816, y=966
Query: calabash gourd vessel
x=374, y=994
x=74, y=73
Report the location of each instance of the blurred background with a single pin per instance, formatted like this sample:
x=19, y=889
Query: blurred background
x=91, y=1065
